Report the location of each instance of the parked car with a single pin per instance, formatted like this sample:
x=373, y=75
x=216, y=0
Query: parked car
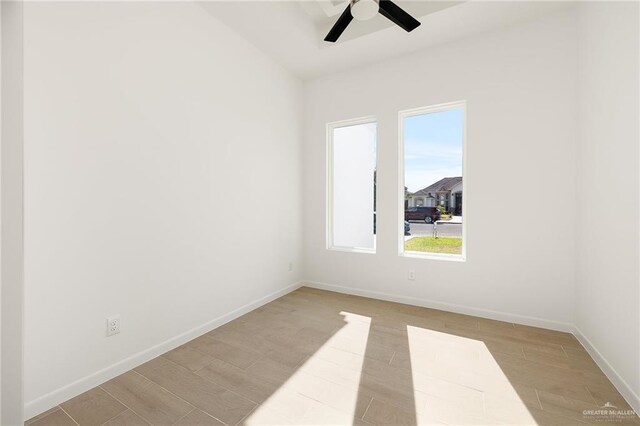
x=428, y=214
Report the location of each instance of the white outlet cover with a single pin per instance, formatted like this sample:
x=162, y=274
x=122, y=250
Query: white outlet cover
x=113, y=325
x=412, y=275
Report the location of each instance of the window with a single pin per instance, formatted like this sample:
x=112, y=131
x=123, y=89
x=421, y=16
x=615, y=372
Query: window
x=351, y=149
x=432, y=185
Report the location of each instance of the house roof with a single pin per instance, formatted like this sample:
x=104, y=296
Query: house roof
x=442, y=185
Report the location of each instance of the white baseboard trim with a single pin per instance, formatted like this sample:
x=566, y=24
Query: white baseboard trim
x=623, y=387
x=45, y=402
x=625, y=390
x=64, y=393
x=460, y=309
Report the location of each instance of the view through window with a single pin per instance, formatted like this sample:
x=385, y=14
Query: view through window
x=352, y=173
x=433, y=142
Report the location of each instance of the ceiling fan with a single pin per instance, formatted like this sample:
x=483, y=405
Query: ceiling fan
x=363, y=10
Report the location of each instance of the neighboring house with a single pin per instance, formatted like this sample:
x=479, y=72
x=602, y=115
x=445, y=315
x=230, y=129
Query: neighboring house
x=446, y=192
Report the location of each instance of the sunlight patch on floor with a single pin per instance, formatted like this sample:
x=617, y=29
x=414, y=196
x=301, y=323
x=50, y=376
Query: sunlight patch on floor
x=456, y=380
x=324, y=389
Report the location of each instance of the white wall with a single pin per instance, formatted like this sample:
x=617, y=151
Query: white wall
x=162, y=164
x=149, y=127
x=608, y=280
x=1, y=103
x=353, y=164
x=520, y=88
x=11, y=287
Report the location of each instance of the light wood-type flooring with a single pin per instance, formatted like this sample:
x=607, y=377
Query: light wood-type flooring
x=315, y=357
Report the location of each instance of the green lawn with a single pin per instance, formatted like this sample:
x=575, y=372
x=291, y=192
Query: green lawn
x=434, y=245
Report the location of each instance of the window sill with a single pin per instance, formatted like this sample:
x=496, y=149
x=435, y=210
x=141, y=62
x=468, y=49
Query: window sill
x=353, y=250
x=434, y=256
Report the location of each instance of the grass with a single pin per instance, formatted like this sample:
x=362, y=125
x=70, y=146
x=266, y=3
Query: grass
x=434, y=245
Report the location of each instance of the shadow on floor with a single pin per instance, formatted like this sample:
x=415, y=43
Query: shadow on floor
x=317, y=357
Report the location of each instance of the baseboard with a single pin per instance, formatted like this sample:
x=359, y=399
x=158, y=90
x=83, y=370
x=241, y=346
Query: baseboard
x=45, y=402
x=623, y=387
x=625, y=390
x=460, y=309
x=60, y=395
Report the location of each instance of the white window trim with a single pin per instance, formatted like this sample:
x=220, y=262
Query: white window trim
x=329, y=184
x=465, y=178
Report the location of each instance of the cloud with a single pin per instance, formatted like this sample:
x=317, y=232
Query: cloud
x=432, y=148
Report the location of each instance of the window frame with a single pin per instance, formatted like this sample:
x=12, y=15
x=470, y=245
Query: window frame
x=401, y=180
x=330, y=127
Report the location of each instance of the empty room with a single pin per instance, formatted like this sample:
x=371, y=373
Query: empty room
x=320, y=212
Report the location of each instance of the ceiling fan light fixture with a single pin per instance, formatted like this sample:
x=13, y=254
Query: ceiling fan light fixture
x=367, y=9
x=363, y=10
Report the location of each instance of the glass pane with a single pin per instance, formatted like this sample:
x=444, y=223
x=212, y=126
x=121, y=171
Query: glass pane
x=433, y=144
x=353, y=187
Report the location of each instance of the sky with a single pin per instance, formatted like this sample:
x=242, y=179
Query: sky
x=432, y=147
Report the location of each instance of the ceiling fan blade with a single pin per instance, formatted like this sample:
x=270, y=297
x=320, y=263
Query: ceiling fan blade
x=340, y=25
x=395, y=14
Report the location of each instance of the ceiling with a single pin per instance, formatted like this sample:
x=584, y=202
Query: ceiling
x=324, y=14
x=292, y=32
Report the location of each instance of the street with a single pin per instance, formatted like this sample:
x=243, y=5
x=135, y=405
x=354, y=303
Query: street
x=421, y=229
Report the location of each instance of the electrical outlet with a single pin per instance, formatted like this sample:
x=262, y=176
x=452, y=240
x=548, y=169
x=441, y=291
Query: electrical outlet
x=290, y=266
x=412, y=275
x=113, y=325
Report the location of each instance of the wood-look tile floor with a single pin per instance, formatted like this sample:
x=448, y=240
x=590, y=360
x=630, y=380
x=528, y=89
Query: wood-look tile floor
x=317, y=357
